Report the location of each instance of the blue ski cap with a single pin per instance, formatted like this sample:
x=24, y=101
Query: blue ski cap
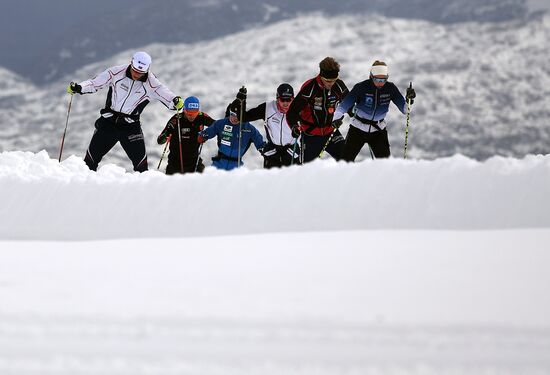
x=191, y=104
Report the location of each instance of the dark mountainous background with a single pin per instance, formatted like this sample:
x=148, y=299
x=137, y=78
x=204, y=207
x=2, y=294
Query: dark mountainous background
x=480, y=67
x=43, y=40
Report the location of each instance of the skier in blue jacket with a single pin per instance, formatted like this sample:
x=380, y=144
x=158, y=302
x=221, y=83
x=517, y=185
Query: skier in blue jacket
x=227, y=130
x=368, y=103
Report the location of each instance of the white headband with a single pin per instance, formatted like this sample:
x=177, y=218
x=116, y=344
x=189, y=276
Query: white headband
x=379, y=70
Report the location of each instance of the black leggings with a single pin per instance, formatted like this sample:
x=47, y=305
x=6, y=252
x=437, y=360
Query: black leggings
x=174, y=167
x=107, y=134
x=276, y=156
x=313, y=145
x=356, y=139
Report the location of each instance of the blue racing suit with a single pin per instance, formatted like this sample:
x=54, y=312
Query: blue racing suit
x=228, y=142
x=368, y=105
x=371, y=104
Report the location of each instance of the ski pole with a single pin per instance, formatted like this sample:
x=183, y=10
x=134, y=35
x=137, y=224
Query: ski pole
x=65, y=131
x=240, y=132
x=326, y=144
x=302, y=148
x=198, y=157
x=294, y=151
x=164, y=152
x=179, y=139
x=407, y=125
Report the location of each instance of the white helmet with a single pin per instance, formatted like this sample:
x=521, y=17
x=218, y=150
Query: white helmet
x=141, y=61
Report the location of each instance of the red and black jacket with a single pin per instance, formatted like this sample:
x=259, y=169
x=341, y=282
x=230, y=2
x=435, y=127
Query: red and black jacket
x=314, y=106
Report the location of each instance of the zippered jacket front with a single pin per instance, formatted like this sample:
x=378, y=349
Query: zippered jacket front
x=371, y=104
x=228, y=140
x=277, y=129
x=314, y=106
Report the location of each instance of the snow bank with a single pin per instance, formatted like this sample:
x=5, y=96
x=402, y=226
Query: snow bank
x=45, y=200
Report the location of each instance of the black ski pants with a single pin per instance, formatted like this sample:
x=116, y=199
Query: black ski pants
x=313, y=145
x=108, y=133
x=173, y=168
x=276, y=156
x=356, y=139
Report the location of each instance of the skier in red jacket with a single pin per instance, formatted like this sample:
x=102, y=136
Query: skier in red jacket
x=311, y=113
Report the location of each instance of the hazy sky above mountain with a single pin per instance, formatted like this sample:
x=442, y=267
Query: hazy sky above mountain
x=538, y=5
x=67, y=34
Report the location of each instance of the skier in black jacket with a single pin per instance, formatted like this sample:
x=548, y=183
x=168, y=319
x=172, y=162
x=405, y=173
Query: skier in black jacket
x=281, y=148
x=191, y=123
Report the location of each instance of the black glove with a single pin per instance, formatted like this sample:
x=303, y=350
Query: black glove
x=337, y=123
x=74, y=88
x=169, y=129
x=161, y=139
x=296, y=131
x=241, y=95
x=411, y=94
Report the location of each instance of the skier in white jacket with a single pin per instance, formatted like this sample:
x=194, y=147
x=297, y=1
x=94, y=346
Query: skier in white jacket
x=131, y=87
x=281, y=148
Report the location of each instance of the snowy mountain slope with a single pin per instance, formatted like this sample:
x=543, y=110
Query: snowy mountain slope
x=77, y=32
x=482, y=88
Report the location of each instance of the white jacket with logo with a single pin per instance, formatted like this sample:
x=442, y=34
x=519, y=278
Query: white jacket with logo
x=125, y=95
x=276, y=126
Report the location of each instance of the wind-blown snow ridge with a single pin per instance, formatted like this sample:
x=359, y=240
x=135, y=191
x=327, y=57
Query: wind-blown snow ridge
x=45, y=200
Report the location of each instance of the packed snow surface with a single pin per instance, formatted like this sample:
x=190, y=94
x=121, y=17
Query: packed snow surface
x=45, y=200
x=380, y=267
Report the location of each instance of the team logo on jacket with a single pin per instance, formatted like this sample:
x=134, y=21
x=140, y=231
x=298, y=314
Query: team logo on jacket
x=124, y=86
x=228, y=128
x=369, y=100
x=318, y=105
